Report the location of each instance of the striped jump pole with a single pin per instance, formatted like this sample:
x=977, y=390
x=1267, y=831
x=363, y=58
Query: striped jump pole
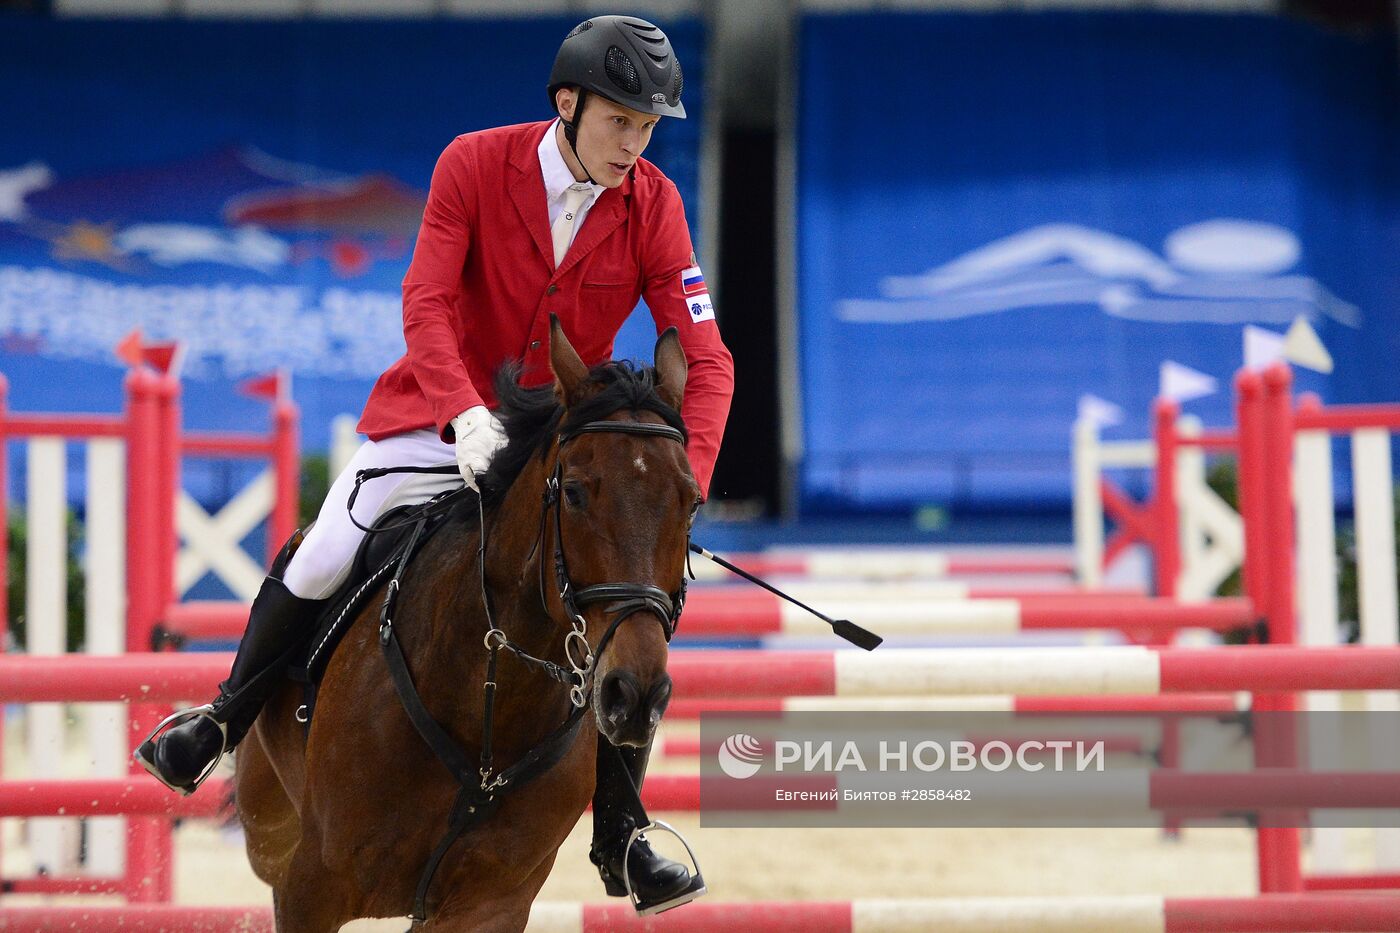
x=681, y=746
x=1214, y=792
x=1160, y=790
x=135, y=795
x=1171, y=704
x=895, y=563
x=1377, y=881
x=906, y=672
x=756, y=613
x=1147, y=914
x=898, y=610
x=1033, y=671
x=136, y=918
x=1333, y=913
x=137, y=677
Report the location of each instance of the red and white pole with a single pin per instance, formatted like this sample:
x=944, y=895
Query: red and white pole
x=1166, y=550
x=144, y=553
x=286, y=467
x=1275, y=738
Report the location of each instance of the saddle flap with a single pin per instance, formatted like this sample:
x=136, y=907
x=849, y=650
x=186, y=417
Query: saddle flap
x=374, y=562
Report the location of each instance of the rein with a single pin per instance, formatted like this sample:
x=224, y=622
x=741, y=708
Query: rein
x=479, y=783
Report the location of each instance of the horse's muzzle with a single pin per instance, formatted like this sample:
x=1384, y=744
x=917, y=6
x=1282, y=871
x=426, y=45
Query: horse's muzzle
x=628, y=713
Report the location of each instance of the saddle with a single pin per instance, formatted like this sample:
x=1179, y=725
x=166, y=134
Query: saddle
x=380, y=552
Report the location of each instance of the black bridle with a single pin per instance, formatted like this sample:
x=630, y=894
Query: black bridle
x=625, y=599
x=480, y=786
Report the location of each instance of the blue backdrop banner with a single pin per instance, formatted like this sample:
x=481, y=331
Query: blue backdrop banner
x=999, y=214
x=250, y=189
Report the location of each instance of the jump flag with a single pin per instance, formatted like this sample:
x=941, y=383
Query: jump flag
x=164, y=356
x=1262, y=348
x=273, y=387
x=1302, y=346
x=1102, y=414
x=128, y=349
x=1182, y=383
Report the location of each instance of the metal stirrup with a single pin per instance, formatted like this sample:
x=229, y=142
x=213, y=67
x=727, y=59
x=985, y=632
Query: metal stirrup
x=697, y=881
x=178, y=719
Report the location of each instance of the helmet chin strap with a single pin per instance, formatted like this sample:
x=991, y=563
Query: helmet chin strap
x=570, y=133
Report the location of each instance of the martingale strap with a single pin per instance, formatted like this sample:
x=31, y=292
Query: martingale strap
x=476, y=799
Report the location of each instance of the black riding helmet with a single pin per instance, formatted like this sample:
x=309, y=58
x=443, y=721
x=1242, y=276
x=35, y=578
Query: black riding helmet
x=627, y=60
x=624, y=59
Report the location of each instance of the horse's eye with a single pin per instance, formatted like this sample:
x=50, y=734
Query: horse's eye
x=695, y=509
x=574, y=496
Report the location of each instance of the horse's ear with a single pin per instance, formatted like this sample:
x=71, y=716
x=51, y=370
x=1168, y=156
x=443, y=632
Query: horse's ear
x=670, y=368
x=569, y=371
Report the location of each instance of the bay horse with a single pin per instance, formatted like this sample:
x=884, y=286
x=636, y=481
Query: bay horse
x=341, y=819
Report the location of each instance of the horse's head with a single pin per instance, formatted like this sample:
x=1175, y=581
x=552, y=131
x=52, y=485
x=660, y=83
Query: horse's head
x=625, y=501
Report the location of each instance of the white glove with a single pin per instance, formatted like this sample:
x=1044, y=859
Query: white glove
x=479, y=436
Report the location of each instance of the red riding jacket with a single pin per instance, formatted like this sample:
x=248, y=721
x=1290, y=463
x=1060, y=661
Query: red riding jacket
x=482, y=285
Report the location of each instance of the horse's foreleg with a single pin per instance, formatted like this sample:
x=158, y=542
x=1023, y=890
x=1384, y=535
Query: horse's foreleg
x=482, y=910
x=307, y=900
x=270, y=823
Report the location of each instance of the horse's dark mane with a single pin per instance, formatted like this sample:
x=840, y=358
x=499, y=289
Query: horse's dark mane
x=532, y=417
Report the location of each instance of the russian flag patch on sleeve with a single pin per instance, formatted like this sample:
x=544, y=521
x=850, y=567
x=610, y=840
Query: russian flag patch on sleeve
x=692, y=281
x=697, y=295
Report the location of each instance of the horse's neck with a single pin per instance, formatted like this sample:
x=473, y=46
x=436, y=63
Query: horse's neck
x=453, y=648
x=515, y=557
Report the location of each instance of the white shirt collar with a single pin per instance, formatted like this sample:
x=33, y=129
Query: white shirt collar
x=557, y=176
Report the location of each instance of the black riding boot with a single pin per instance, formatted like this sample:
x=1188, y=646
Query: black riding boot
x=656, y=880
x=181, y=756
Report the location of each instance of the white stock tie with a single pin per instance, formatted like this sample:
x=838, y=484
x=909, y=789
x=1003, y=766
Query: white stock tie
x=563, y=230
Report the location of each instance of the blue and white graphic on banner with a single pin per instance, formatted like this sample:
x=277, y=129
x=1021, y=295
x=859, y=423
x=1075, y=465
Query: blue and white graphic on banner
x=250, y=189
x=1050, y=206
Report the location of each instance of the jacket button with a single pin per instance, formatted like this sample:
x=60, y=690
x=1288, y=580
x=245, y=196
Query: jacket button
x=534, y=344
x=551, y=290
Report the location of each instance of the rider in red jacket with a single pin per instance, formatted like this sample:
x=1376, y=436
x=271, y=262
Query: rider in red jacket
x=522, y=222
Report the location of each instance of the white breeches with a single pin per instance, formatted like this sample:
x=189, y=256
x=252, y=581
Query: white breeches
x=323, y=561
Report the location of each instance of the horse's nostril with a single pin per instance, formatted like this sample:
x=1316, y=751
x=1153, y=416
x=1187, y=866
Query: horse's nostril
x=620, y=696
x=658, y=696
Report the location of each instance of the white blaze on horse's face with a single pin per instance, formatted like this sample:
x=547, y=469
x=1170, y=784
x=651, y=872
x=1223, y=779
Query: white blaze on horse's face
x=640, y=464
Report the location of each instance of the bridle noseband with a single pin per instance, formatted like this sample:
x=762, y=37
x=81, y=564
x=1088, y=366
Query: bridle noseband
x=627, y=598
